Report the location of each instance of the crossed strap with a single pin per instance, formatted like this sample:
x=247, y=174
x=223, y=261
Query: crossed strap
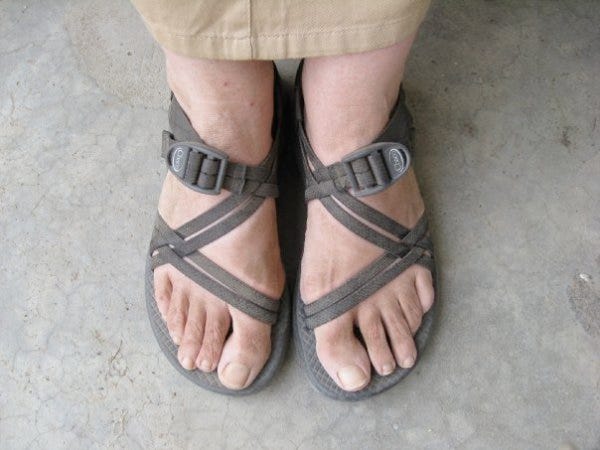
x=366, y=171
x=208, y=170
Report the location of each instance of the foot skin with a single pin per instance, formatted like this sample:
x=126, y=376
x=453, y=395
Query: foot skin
x=347, y=103
x=230, y=105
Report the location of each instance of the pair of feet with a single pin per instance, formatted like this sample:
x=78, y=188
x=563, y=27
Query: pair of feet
x=200, y=323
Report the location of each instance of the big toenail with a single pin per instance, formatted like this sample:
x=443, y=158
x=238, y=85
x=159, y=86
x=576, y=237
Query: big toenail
x=408, y=362
x=387, y=369
x=352, y=377
x=187, y=363
x=205, y=365
x=236, y=374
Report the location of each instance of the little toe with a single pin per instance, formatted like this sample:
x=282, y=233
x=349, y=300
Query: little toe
x=411, y=308
x=192, y=336
x=176, y=315
x=162, y=290
x=342, y=355
x=245, y=353
x=216, y=328
x=373, y=333
x=399, y=335
x=425, y=291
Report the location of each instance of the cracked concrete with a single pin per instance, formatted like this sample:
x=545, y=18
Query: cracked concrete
x=505, y=96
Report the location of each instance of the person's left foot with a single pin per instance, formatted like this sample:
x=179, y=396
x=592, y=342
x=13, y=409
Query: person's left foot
x=343, y=114
x=389, y=318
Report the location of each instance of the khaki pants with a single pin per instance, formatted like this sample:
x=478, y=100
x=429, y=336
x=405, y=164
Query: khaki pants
x=279, y=29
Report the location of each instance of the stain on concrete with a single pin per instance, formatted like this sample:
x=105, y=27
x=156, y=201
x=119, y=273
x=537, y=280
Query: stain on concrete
x=584, y=298
x=566, y=136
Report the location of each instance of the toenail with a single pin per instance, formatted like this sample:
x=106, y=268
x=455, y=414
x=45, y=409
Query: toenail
x=205, y=365
x=236, y=374
x=175, y=338
x=408, y=362
x=187, y=363
x=352, y=377
x=387, y=369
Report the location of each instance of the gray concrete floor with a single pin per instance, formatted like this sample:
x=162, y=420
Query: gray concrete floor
x=507, y=102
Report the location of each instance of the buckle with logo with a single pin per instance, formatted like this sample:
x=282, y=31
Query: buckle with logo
x=179, y=154
x=396, y=159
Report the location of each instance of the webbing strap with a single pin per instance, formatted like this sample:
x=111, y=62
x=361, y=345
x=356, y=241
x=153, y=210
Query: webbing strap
x=208, y=170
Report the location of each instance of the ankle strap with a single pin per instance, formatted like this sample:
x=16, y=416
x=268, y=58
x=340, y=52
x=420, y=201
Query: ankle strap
x=208, y=170
x=366, y=171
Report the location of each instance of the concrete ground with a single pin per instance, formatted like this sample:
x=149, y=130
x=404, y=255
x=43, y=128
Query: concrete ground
x=506, y=97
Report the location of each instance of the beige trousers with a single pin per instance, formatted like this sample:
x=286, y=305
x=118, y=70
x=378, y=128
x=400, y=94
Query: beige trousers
x=279, y=29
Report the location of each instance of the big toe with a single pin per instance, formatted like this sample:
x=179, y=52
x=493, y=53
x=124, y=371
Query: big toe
x=342, y=355
x=245, y=353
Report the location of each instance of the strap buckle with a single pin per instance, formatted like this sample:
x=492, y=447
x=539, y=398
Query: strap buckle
x=187, y=161
x=373, y=168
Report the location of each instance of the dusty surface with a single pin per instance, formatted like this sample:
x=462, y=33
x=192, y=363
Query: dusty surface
x=506, y=101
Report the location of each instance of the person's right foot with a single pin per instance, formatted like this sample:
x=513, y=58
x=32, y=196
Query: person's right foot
x=238, y=123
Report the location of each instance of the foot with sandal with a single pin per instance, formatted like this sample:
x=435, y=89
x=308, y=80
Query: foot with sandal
x=215, y=284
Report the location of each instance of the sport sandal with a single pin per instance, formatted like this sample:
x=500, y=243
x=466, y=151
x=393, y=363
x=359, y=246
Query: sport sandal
x=338, y=187
x=208, y=170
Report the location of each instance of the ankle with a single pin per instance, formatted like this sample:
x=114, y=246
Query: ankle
x=244, y=133
x=229, y=103
x=341, y=119
x=348, y=128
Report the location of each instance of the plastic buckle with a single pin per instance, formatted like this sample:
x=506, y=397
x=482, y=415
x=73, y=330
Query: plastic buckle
x=396, y=157
x=178, y=156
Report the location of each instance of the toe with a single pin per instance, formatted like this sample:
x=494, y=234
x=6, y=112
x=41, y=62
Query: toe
x=245, y=353
x=425, y=291
x=411, y=308
x=216, y=328
x=342, y=355
x=373, y=333
x=176, y=315
x=399, y=335
x=162, y=290
x=192, y=335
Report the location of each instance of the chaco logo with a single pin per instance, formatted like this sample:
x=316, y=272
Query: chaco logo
x=397, y=160
x=177, y=159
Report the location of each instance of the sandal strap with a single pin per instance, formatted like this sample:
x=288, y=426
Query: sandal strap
x=366, y=171
x=166, y=249
x=339, y=186
x=208, y=170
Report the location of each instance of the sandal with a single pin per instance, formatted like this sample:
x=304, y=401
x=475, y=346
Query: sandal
x=366, y=171
x=208, y=170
